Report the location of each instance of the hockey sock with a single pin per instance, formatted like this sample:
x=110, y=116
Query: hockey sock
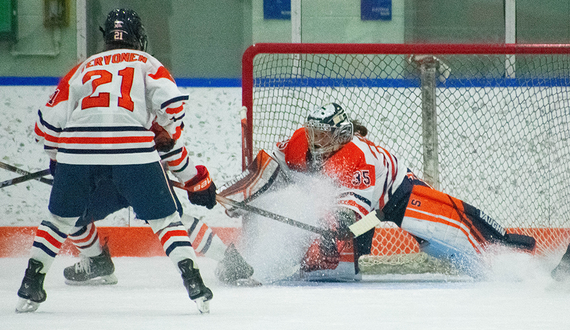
x=49, y=239
x=174, y=238
x=203, y=239
x=86, y=240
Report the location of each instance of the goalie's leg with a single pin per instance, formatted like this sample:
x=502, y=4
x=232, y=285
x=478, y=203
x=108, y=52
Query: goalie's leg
x=454, y=230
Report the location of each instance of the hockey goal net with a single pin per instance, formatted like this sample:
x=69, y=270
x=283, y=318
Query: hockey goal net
x=489, y=124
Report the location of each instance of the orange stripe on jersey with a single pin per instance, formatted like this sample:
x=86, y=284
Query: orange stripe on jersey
x=38, y=131
x=172, y=233
x=172, y=111
x=105, y=140
x=178, y=133
x=162, y=72
x=62, y=91
x=200, y=236
x=177, y=162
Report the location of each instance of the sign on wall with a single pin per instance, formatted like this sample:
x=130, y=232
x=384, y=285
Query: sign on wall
x=277, y=9
x=376, y=10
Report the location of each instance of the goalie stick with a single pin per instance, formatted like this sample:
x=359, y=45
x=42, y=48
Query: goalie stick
x=25, y=174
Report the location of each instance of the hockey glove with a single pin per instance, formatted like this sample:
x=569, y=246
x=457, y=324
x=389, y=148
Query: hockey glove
x=162, y=140
x=201, y=188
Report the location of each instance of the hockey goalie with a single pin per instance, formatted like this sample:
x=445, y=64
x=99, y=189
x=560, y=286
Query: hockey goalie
x=367, y=181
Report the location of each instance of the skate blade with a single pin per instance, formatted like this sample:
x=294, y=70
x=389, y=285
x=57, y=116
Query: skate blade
x=101, y=280
x=203, y=305
x=26, y=306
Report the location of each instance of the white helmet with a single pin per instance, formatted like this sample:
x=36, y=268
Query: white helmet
x=328, y=128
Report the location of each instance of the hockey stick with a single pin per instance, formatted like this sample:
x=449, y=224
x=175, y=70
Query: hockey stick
x=267, y=214
x=23, y=172
x=358, y=228
x=24, y=178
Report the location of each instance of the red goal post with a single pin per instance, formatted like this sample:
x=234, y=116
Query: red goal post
x=489, y=124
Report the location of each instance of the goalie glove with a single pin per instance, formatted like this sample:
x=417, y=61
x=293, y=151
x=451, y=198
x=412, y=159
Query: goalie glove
x=201, y=188
x=322, y=254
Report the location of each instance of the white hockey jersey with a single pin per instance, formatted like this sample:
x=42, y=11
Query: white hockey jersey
x=101, y=111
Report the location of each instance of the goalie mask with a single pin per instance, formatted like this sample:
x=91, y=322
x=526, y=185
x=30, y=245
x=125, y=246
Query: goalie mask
x=124, y=29
x=328, y=128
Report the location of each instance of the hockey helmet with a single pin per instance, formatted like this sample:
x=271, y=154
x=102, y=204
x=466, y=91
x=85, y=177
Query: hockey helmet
x=328, y=128
x=124, y=29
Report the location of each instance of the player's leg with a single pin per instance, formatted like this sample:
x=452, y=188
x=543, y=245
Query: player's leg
x=146, y=188
x=68, y=199
x=95, y=266
x=562, y=271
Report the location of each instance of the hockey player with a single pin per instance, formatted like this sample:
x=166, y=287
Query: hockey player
x=96, y=125
x=373, y=179
x=96, y=266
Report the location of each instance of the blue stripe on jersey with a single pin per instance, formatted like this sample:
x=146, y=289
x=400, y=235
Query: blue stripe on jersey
x=106, y=151
x=44, y=248
x=106, y=129
x=172, y=152
x=174, y=245
x=46, y=124
x=359, y=197
x=51, y=226
x=172, y=100
x=183, y=167
x=175, y=119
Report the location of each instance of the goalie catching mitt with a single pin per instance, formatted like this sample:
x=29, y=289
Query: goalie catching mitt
x=201, y=189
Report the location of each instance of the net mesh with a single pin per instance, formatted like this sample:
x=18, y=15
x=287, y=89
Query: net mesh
x=503, y=127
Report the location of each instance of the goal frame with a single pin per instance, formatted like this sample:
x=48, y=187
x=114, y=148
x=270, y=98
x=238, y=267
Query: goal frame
x=508, y=53
x=354, y=48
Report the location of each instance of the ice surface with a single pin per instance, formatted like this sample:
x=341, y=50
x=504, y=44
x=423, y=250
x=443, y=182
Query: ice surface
x=150, y=295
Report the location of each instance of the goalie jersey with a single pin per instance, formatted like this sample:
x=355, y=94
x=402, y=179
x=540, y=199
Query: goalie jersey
x=102, y=110
x=368, y=173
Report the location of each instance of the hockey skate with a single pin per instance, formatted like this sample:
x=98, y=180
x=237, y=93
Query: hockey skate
x=31, y=291
x=234, y=270
x=194, y=284
x=562, y=271
x=92, y=270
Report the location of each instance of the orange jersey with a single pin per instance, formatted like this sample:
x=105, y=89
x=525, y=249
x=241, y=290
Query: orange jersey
x=368, y=173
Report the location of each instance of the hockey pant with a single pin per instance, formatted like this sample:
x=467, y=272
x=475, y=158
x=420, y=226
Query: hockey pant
x=71, y=193
x=105, y=200
x=448, y=228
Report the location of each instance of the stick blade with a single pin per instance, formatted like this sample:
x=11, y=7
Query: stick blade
x=365, y=224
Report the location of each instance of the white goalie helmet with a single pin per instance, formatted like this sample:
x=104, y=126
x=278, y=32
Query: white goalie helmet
x=328, y=128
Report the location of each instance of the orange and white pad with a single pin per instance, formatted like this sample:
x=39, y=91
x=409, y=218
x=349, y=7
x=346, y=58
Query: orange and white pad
x=441, y=220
